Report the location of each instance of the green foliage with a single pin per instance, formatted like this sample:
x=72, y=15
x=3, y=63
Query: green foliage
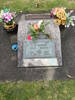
x=41, y=29
x=32, y=29
x=30, y=5
x=6, y=10
x=38, y=90
x=1, y=20
x=69, y=20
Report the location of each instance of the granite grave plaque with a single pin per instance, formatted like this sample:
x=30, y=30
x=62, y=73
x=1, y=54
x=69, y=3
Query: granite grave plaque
x=40, y=50
x=27, y=58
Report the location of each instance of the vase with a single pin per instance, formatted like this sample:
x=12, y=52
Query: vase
x=62, y=27
x=10, y=28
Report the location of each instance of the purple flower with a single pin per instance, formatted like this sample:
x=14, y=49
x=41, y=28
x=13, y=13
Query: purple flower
x=6, y=20
x=7, y=17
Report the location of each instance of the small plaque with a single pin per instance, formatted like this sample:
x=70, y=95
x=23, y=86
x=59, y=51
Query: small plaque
x=41, y=48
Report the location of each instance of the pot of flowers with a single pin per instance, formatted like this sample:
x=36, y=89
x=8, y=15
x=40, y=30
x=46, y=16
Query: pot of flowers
x=7, y=18
x=37, y=30
x=61, y=17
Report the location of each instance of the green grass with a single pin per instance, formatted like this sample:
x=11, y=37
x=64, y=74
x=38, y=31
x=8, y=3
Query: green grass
x=38, y=90
x=30, y=5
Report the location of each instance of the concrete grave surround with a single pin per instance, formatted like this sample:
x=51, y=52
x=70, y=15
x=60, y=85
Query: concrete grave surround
x=54, y=32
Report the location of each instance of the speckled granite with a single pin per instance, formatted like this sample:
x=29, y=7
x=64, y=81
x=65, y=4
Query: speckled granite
x=52, y=29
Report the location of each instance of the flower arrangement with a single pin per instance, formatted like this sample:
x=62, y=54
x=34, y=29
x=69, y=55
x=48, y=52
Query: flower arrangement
x=61, y=17
x=7, y=18
x=38, y=28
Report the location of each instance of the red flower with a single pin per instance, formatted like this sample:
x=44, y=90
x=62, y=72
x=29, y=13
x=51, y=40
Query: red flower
x=29, y=37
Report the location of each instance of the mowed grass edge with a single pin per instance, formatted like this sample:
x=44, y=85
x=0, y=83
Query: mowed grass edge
x=38, y=90
x=30, y=5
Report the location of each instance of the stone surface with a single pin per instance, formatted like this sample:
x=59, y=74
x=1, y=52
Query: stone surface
x=51, y=29
x=41, y=48
x=39, y=52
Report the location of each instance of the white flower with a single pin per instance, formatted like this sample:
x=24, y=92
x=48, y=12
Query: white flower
x=39, y=23
x=69, y=13
x=73, y=24
x=68, y=25
x=65, y=26
x=1, y=14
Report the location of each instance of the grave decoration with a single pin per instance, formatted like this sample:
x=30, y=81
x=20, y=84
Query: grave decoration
x=7, y=18
x=62, y=18
x=14, y=47
x=38, y=29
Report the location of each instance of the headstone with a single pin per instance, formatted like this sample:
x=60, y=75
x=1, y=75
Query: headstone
x=40, y=52
x=40, y=48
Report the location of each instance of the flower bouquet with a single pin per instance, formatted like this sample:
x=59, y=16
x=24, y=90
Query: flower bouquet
x=62, y=18
x=8, y=19
x=38, y=29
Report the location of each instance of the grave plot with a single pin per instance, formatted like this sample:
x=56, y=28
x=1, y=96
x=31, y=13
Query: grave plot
x=39, y=41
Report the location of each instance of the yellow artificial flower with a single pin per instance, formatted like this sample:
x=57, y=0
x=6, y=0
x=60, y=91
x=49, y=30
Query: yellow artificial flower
x=63, y=22
x=63, y=10
x=58, y=21
x=63, y=18
x=60, y=13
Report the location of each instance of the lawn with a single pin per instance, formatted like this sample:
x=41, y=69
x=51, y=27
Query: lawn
x=30, y=5
x=39, y=90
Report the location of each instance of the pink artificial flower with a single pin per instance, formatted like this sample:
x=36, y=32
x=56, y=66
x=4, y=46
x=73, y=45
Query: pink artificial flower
x=53, y=12
x=29, y=37
x=7, y=17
